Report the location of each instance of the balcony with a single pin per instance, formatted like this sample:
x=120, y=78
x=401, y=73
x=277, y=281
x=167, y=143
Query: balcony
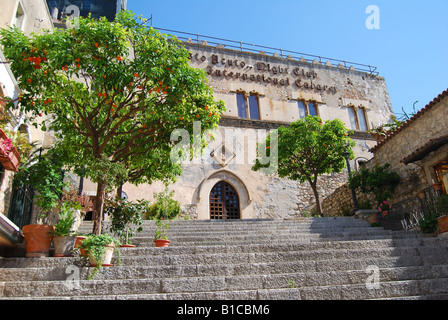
x=9, y=157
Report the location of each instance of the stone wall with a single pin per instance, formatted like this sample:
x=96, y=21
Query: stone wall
x=410, y=140
x=430, y=123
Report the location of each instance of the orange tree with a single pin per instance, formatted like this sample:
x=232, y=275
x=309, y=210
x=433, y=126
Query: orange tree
x=112, y=92
x=305, y=150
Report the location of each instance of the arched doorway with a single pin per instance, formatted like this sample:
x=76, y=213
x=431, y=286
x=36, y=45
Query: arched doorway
x=224, y=202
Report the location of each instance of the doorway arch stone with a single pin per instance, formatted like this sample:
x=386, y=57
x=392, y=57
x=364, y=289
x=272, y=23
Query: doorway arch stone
x=206, y=186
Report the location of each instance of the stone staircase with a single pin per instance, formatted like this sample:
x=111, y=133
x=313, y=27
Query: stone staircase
x=308, y=259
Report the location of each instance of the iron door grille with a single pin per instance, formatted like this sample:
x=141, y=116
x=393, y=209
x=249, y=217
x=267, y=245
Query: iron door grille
x=224, y=202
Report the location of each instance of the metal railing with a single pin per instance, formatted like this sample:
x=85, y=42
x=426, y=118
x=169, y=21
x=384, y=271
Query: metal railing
x=248, y=47
x=407, y=214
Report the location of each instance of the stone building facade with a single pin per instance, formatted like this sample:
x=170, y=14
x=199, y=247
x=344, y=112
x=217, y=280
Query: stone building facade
x=417, y=151
x=261, y=93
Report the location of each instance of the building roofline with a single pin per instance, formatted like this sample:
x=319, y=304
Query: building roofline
x=220, y=43
x=414, y=118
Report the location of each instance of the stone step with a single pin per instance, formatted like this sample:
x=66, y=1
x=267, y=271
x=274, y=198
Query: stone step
x=244, y=225
x=171, y=257
x=255, y=231
x=316, y=258
x=59, y=273
x=340, y=286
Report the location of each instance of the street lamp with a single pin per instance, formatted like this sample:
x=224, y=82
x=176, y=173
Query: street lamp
x=347, y=159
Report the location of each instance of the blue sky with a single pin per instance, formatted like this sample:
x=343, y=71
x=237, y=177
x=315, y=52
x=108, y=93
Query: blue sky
x=410, y=49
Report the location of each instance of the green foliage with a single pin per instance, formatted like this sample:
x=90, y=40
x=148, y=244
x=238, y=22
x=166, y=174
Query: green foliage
x=115, y=92
x=95, y=246
x=165, y=207
x=44, y=173
x=428, y=224
x=365, y=204
x=126, y=217
x=306, y=149
x=21, y=142
x=442, y=205
x=66, y=219
x=381, y=182
x=162, y=228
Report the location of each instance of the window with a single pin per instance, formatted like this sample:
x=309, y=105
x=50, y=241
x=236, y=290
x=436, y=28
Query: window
x=312, y=109
x=358, y=119
x=302, y=109
x=19, y=19
x=241, y=103
x=253, y=107
x=307, y=109
x=248, y=107
x=352, y=115
x=362, y=119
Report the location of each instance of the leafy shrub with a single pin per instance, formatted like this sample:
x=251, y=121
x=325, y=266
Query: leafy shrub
x=442, y=205
x=165, y=207
x=125, y=214
x=381, y=182
x=428, y=224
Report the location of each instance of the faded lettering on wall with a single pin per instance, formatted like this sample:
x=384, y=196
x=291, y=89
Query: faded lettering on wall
x=261, y=72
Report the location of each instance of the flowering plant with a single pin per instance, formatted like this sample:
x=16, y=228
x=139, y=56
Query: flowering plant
x=384, y=206
x=6, y=147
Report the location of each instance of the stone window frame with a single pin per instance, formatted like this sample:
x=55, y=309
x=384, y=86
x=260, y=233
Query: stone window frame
x=355, y=110
x=307, y=108
x=246, y=96
x=19, y=16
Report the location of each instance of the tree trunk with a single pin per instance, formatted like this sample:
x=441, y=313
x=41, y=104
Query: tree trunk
x=99, y=203
x=119, y=191
x=316, y=195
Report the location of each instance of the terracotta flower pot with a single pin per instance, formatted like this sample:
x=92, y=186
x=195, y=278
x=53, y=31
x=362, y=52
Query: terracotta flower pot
x=373, y=218
x=37, y=240
x=127, y=246
x=160, y=243
x=443, y=223
x=106, y=257
x=63, y=246
x=78, y=241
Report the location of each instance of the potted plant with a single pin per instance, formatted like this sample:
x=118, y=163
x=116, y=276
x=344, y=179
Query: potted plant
x=428, y=224
x=63, y=238
x=100, y=250
x=43, y=172
x=124, y=216
x=164, y=207
x=160, y=238
x=78, y=241
x=9, y=156
x=38, y=239
x=372, y=218
x=385, y=207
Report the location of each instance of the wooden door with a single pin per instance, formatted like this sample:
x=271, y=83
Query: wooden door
x=224, y=202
